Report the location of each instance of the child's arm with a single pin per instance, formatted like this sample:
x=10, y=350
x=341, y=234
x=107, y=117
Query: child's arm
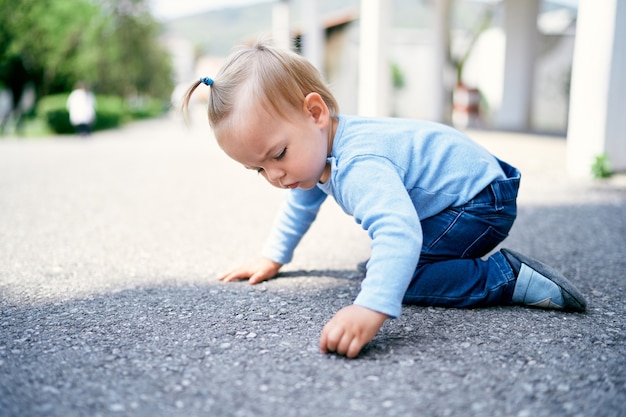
x=255, y=272
x=371, y=189
x=297, y=214
x=350, y=329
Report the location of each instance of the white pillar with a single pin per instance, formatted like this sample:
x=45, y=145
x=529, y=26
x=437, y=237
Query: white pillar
x=281, y=33
x=374, y=72
x=597, y=117
x=440, y=102
x=313, y=37
x=520, y=26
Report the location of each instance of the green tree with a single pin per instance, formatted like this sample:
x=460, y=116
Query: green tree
x=134, y=62
x=42, y=37
x=111, y=44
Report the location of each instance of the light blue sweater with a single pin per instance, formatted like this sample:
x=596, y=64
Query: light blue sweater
x=388, y=174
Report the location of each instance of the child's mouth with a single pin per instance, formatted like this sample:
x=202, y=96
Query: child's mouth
x=294, y=185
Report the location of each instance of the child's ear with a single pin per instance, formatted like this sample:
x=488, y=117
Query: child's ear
x=315, y=107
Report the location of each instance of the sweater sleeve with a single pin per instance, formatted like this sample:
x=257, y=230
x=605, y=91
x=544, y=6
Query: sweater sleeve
x=293, y=220
x=372, y=189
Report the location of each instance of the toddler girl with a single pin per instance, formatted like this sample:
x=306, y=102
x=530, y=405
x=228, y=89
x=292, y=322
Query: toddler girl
x=432, y=201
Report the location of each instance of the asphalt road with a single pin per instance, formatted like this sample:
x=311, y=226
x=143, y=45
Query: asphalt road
x=109, y=305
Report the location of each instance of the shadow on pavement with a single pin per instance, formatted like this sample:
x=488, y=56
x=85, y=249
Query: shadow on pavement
x=236, y=350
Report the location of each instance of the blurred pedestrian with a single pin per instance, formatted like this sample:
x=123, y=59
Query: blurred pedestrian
x=6, y=107
x=24, y=107
x=82, y=107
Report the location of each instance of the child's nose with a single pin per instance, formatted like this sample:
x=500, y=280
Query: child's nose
x=274, y=174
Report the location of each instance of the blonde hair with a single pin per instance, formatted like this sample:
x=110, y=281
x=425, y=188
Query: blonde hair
x=275, y=77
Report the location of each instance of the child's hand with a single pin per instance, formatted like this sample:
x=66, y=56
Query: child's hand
x=255, y=272
x=350, y=329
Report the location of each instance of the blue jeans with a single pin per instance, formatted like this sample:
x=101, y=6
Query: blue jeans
x=450, y=272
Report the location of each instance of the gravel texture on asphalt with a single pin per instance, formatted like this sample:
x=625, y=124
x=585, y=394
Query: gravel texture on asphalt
x=109, y=303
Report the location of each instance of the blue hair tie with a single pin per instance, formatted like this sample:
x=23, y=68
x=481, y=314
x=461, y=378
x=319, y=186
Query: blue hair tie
x=206, y=80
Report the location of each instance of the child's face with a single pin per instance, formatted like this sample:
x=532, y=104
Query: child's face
x=289, y=152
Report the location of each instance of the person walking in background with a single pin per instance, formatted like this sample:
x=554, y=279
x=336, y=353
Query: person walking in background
x=433, y=201
x=6, y=107
x=81, y=105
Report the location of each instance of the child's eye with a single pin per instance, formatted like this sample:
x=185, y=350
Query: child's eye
x=281, y=155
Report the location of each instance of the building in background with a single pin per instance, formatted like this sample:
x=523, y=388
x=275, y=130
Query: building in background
x=522, y=65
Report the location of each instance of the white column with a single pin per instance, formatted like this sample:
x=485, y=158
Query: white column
x=313, y=37
x=281, y=33
x=520, y=26
x=442, y=34
x=597, y=117
x=374, y=71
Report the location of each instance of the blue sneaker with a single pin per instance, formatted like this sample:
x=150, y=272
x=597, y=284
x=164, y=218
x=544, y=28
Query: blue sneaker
x=539, y=285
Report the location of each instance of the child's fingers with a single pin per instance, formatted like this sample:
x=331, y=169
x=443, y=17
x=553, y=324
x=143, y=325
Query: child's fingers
x=354, y=348
x=347, y=346
x=340, y=342
x=234, y=275
x=252, y=275
x=330, y=339
x=258, y=277
x=255, y=272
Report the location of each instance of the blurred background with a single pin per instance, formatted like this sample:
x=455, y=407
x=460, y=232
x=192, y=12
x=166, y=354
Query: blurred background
x=487, y=64
x=473, y=49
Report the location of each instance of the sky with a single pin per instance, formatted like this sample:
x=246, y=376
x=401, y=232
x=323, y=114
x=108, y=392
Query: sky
x=169, y=9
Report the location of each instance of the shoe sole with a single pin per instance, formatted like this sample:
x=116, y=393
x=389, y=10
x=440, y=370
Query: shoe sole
x=572, y=298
